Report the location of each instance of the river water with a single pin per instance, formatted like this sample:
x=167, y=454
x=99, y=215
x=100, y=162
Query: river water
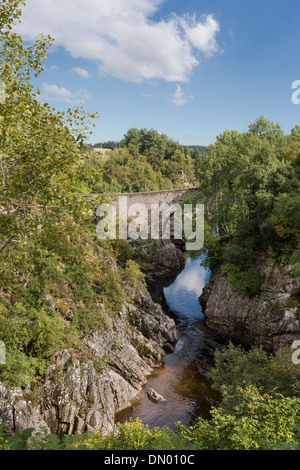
x=181, y=380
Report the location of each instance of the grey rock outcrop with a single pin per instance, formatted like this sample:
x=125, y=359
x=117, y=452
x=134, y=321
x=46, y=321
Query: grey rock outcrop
x=84, y=395
x=268, y=319
x=163, y=257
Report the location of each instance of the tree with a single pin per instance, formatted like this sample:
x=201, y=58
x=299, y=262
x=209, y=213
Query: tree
x=243, y=173
x=36, y=143
x=133, y=136
x=286, y=218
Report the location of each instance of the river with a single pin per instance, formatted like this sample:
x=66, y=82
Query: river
x=181, y=380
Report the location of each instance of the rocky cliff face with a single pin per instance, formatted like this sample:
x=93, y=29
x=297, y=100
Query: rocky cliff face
x=270, y=319
x=76, y=395
x=160, y=259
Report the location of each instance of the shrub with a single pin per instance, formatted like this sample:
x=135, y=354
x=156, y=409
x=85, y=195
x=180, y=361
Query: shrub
x=19, y=369
x=256, y=420
x=134, y=435
x=133, y=273
x=247, y=281
x=47, y=334
x=124, y=251
x=235, y=367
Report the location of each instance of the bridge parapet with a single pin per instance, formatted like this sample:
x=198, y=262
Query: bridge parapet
x=164, y=196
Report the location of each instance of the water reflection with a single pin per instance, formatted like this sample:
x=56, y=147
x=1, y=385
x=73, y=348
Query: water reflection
x=182, y=296
x=181, y=381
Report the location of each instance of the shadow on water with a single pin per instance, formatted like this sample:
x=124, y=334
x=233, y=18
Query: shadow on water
x=181, y=380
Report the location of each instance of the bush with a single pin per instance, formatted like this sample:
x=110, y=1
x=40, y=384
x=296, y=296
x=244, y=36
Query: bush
x=286, y=219
x=247, y=281
x=256, y=420
x=237, y=255
x=47, y=334
x=27, y=330
x=19, y=369
x=133, y=273
x=134, y=435
x=15, y=331
x=235, y=367
x=124, y=251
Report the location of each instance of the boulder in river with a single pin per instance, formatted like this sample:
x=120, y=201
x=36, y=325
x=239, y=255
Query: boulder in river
x=154, y=396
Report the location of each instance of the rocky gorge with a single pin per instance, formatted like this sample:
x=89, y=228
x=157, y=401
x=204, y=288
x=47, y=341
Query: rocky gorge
x=79, y=394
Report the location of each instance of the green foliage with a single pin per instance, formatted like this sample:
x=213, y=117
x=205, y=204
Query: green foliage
x=17, y=442
x=133, y=170
x=134, y=435
x=242, y=174
x=256, y=420
x=47, y=334
x=124, y=251
x=37, y=149
x=29, y=439
x=250, y=184
x=286, y=219
x=110, y=144
x=295, y=445
x=260, y=408
x=133, y=274
x=247, y=281
x=165, y=156
x=15, y=331
x=19, y=368
x=57, y=280
x=235, y=367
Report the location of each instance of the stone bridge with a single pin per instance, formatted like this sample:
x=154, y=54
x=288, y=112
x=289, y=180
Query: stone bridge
x=165, y=196
x=151, y=212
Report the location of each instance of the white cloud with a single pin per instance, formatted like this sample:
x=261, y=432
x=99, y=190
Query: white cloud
x=193, y=279
x=202, y=35
x=53, y=68
x=53, y=91
x=81, y=72
x=122, y=37
x=62, y=94
x=179, y=98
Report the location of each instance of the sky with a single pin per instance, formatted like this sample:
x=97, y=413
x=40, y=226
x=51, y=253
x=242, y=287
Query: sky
x=189, y=69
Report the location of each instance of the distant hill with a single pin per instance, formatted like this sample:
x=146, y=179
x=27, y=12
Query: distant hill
x=107, y=145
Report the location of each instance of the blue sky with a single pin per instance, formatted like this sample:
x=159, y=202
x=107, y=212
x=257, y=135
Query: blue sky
x=189, y=69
